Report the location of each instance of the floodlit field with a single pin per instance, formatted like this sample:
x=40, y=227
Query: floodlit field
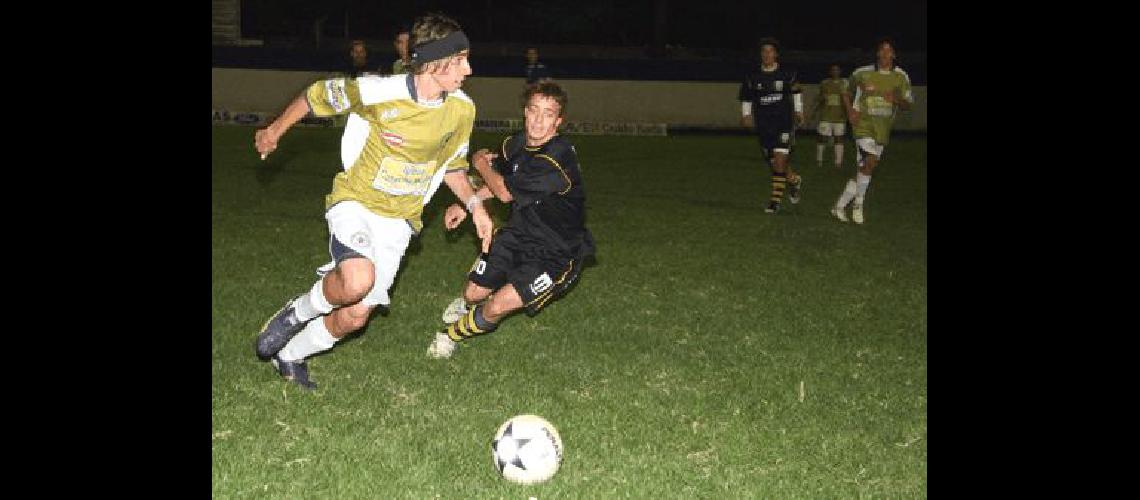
x=712, y=351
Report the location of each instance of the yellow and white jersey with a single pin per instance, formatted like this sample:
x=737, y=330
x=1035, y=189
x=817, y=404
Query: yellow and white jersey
x=395, y=150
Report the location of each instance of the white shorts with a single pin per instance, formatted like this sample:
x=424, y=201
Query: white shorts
x=831, y=128
x=381, y=240
x=868, y=145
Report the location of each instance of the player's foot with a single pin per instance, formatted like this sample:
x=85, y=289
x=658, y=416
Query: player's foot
x=294, y=371
x=455, y=310
x=441, y=347
x=838, y=213
x=278, y=331
x=772, y=207
x=857, y=213
x=794, y=190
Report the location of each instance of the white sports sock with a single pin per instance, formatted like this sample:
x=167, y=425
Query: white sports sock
x=838, y=154
x=862, y=181
x=819, y=153
x=848, y=193
x=314, y=303
x=313, y=339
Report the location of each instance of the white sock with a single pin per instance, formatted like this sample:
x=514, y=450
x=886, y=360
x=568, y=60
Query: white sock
x=848, y=193
x=314, y=303
x=819, y=153
x=838, y=154
x=862, y=181
x=313, y=339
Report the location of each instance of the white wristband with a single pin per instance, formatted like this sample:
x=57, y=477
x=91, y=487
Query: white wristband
x=472, y=201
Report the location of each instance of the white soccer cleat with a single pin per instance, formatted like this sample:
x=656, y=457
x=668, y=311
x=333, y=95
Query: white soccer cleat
x=441, y=347
x=857, y=214
x=455, y=310
x=838, y=213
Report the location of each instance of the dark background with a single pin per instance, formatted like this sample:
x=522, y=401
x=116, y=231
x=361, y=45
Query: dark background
x=704, y=40
x=717, y=24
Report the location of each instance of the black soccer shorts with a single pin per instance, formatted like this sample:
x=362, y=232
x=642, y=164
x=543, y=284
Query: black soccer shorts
x=538, y=275
x=775, y=136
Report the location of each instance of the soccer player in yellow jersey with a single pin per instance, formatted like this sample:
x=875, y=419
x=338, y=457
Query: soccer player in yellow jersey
x=832, y=114
x=414, y=135
x=880, y=89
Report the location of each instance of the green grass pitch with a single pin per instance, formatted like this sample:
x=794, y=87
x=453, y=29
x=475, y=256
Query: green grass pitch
x=712, y=351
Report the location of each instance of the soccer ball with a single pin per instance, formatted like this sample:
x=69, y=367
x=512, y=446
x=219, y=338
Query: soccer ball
x=527, y=449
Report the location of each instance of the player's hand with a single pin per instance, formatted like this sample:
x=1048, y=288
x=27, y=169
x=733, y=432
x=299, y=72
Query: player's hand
x=891, y=97
x=853, y=116
x=482, y=159
x=746, y=121
x=800, y=119
x=265, y=141
x=454, y=216
x=484, y=228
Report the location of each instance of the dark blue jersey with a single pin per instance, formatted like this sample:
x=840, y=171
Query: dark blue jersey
x=770, y=93
x=549, y=201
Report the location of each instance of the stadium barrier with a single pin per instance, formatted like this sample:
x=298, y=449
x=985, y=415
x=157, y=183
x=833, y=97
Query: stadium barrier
x=603, y=107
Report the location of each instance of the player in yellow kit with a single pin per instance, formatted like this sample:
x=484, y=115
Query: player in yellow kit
x=880, y=88
x=413, y=135
x=832, y=114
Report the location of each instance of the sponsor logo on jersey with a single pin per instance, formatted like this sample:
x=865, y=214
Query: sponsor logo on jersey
x=337, y=96
x=391, y=138
x=771, y=98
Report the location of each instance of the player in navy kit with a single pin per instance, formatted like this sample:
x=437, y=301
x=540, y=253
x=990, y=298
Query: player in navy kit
x=770, y=97
x=538, y=255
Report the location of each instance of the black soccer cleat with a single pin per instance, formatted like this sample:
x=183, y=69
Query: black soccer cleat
x=773, y=207
x=294, y=371
x=278, y=331
x=794, y=190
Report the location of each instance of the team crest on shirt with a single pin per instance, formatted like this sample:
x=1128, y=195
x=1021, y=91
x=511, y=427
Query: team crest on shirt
x=360, y=239
x=779, y=85
x=391, y=138
x=784, y=137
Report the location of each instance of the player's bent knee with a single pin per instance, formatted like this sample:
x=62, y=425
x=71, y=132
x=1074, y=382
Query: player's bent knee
x=475, y=293
x=356, y=278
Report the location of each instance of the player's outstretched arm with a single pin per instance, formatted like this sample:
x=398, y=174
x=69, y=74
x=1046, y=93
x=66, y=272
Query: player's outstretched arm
x=457, y=181
x=495, y=183
x=265, y=140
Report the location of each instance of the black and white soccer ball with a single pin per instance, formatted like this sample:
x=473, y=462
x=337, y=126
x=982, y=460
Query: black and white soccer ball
x=527, y=449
